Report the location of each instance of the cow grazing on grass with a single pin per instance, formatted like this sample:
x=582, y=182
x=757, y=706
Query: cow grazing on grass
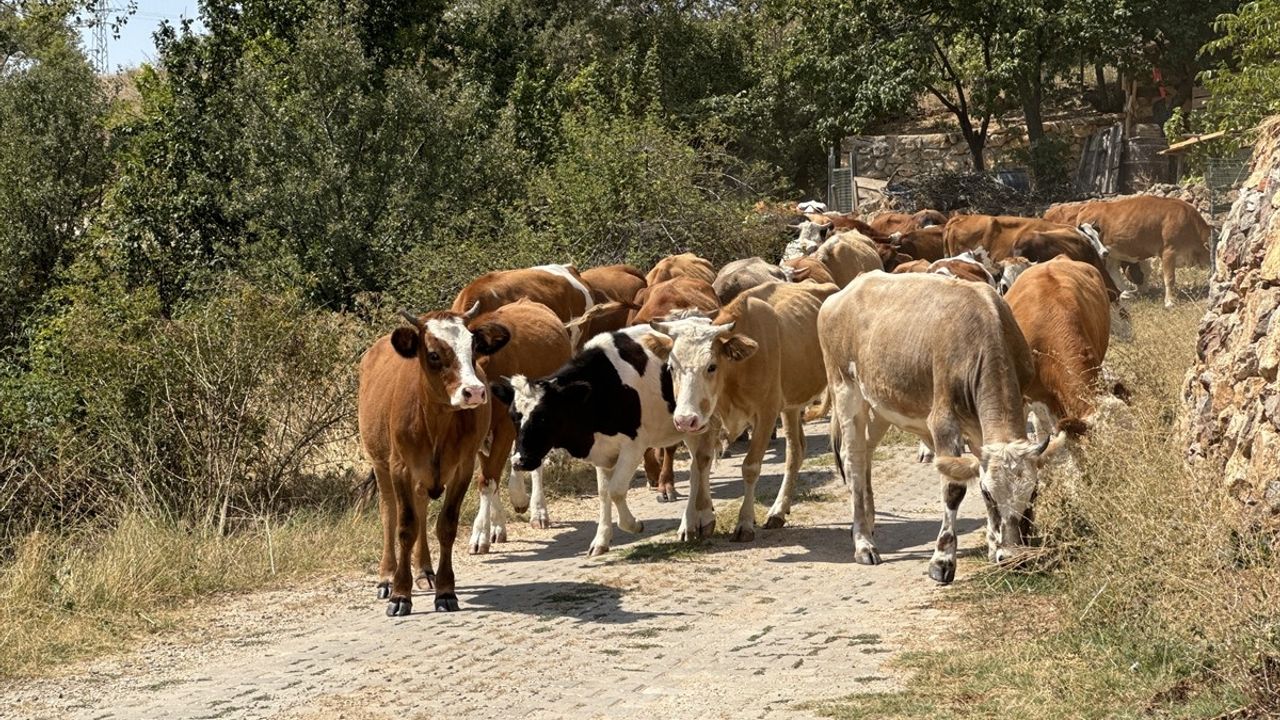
x=424, y=413
x=745, y=274
x=944, y=360
x=608, y=404
x=994, y=233
x=1062, y=309
x=538, y=346
x=678, y=295
x=758, y=360
x=1141, y=227
x=683, y=265
x=559, y=287
x=616, y=283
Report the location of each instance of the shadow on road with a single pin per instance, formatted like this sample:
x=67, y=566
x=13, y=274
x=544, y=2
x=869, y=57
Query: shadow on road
x=584, y=601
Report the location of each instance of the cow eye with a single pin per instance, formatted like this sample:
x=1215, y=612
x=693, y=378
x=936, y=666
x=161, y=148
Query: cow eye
x=711, y=368
x=433, y=358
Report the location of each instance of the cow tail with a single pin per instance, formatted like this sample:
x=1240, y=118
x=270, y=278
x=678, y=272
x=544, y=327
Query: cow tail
x=835, y=447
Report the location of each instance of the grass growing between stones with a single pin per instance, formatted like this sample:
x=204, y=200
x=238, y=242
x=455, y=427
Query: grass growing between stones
x=1151, y=597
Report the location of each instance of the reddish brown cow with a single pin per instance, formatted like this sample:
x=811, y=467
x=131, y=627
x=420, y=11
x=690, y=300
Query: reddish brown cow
x=423, y=414
x=618, y=283
x=915, y=266
x=964, y=268
x=889, y=223
x=809, y=268
x=659, y=302
x=995, y=233
x=923, y=244
x=1042, y=246
x=685, y=264
x=559, y=287
x=539, y=345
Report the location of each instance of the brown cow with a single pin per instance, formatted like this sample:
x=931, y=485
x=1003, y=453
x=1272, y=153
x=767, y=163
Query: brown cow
x=1065, y=213
x=923, y=244
x=758, y=360
x=744, y=274
x=994, y=233
x=423, y=414
x=539, y=345
x=1044, y=245
x=1062, y=309
x=685, y=264
x=965, y=267
x=847, y=255
x=889, y=223
x=809, y=269
x=915, y=266
x=559, y=287
x=660, y=301
x=618, y=283
x=1145, y=226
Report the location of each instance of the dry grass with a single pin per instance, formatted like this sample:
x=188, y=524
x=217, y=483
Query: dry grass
x=1156, y=600
x=62, y=601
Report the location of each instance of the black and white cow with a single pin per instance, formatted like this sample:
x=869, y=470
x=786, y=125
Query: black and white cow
x=608, y=404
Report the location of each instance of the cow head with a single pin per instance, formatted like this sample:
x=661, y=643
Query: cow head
x=699, y=350
x=446, y=351
x=544, y=413
x=1009, y=476
x=810, y=236
x=1090, y=235
x=1010, y=269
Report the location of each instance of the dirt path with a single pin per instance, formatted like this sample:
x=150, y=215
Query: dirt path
x=717, y=630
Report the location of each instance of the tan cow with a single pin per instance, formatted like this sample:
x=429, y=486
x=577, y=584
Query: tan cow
x=660, y=301
x=683, y=265
x=994, y=233
x=559, y=287
x=847, y=255
x=758, y=360
x=1062, y=309
x=1144, y=226
x=808, y=269
x=944, y=360
x=617, y=283
x=539, y=345
x=423, y=414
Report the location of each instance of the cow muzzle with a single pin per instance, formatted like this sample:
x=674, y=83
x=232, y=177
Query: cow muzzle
x=689, y=423
x=472, y=396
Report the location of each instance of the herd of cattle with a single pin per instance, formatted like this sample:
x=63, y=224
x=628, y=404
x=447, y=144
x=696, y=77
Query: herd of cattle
x=947, y=328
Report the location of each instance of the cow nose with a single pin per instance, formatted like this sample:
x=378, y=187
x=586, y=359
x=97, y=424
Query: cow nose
x=686, y=423
x=474, y=395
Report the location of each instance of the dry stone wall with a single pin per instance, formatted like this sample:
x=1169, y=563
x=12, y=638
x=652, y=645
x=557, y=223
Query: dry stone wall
x=906, y=156
x=1232, y=393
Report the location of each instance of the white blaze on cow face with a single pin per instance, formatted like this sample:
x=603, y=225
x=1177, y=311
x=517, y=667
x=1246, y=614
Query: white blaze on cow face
x=1091, y=236
x=464, y=388
x=527, y=397
x=698, y=350
x=1013, y=267
x=812, y=235
x=1009, y=476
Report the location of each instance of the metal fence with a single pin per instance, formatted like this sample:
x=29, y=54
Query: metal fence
x=842, y=191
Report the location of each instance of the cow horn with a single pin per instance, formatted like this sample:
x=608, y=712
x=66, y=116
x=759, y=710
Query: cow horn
x=471, y=313
x=1044, y=445
x=411, y=319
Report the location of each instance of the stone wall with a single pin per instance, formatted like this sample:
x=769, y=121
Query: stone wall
x=906, y=156
x=1234, y=402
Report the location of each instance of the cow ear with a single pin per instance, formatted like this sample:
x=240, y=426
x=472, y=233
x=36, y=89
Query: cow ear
x=963, y=469
x=659, y=345
x=406, y=341
x=503, y=391
x=489, y=338
x=800, y=274
x=738, y=347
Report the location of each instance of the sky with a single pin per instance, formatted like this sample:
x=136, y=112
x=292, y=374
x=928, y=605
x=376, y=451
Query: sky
x=134, y=46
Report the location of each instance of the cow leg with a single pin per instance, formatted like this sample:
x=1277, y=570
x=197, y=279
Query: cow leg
x=993, y=525
x=699, y=519
x=619, y=483
x=1168, y=264
x=746, y=529
x=539, y=517
x=516, y=489
x=480, y=529
x=796, y=450
x=924, y=453
x=947, y=439
x=850, y=418
x=604, y=525
x=426, y=576
x=411, y=507
x=667, y=476
x=387, y=513
x=1117, y=277
x=446, y=533
x=653, y=469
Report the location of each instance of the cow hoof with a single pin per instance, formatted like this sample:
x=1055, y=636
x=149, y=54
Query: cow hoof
x=744, y=534
x=867, y=556
x=426, y=581
x=707, y=530
x=672, y=495
x=520, y=509
x=399, y=607
x=941, y=572
x=384, y=590
x=448, y=602
x=774, y=522
x=499, y=535
x=661, y=497
x=634, y=529
x=479, y=549
x=540, y=521
x=597, y=550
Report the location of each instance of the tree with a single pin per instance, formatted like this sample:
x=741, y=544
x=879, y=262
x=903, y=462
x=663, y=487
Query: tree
x=1244, y=87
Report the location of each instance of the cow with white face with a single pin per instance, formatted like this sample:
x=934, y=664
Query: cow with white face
x=757, y=360
x=606, y=406
x=961, y=382
x=809, y=237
